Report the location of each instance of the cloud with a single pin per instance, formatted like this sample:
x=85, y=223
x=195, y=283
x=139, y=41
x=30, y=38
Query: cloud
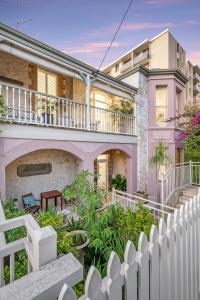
x=92, y=47
x=194, y=57
x=162, y=2
x=145, y=25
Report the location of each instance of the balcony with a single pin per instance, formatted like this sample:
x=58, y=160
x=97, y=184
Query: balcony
x=196, y=78
x=196, y=90
x=31, y=107
x=142, y=56
x=126, y=66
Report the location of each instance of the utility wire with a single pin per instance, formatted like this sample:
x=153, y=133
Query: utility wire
x=104, y=57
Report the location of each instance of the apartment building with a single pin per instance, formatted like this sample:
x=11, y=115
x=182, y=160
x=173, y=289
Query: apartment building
x=161, y=52
x=60, y=120
x=157, y=67
x=193, y=85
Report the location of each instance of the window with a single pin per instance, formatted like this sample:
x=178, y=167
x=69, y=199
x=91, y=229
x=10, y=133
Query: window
x=161, y=106
x=47, y=82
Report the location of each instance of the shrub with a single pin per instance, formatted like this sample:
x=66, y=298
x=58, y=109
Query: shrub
x=119, y=182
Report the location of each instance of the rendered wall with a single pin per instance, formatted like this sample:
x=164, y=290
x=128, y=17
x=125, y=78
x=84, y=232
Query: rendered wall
x=64, y=168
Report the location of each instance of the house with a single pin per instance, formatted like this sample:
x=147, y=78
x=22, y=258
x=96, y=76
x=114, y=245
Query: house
x=157, y=67
x=60, y=120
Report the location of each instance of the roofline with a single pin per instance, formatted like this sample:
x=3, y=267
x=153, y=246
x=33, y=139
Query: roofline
x=161, y=33
x=147, y=72
x=138, y=45
x=129, y=51
x=24, y=39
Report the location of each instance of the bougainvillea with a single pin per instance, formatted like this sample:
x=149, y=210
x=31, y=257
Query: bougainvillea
x=190, y=131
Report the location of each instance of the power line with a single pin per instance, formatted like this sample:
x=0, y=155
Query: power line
x=124, y=16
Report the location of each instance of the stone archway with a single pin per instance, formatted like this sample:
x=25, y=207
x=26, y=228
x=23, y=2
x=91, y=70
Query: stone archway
x=62, y=167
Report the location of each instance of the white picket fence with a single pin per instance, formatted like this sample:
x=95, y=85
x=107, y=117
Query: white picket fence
x=167, y=267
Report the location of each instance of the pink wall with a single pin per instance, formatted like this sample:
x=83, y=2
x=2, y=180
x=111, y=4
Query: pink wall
x=167, y=134
x=86, y=152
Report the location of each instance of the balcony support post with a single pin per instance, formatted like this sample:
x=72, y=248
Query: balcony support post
x=87, y=100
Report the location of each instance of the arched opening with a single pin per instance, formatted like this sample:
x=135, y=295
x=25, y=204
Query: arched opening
x=40, y=171
x=110, y=164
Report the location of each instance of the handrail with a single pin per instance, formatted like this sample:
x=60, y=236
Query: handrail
x=145, y=200
x=178, y=176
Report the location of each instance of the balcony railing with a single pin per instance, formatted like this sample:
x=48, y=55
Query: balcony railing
x=141, y=57
x=30, y=107
x=196, y=77
x=196, y=90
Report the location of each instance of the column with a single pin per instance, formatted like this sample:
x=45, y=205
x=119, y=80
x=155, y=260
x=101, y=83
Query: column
x=131, y=163
x=87, y=100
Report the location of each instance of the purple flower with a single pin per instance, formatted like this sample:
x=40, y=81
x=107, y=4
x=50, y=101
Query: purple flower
x=182, y=134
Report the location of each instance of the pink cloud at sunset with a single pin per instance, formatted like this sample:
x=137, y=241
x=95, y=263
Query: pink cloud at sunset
x=194, y=57
x=91, y=47
x=162, y=2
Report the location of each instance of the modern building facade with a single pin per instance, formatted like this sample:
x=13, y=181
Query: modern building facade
x=157, y=67
x=60, y=120
x=193, y=86
x=161, y=52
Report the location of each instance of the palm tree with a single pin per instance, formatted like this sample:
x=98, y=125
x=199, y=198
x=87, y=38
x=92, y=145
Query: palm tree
x=159, y=159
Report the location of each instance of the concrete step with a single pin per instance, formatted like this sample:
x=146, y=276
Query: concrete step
x=184, y=199
x=178, y=205
x=190, y=193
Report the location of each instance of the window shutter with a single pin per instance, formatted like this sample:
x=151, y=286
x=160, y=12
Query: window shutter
x=41, y=81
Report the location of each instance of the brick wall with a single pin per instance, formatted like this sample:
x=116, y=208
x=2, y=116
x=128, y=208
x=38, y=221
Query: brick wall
x=14, y=68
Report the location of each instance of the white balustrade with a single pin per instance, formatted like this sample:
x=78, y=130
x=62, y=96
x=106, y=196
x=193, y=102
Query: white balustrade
x=105, y=120
x=40, y=244
x=30, y=107
x=153, y=272
x=127, y=200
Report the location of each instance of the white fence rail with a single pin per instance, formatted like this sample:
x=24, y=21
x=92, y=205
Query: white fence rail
x=130, y=201
x=179, y=176
x=40, y=244
x=30, y=107
x=167, y=267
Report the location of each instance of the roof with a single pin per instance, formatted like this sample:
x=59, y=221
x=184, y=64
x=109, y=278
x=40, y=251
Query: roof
x=137, y=46
x=19, y=37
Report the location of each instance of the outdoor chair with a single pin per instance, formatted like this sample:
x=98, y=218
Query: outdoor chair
x=31, y=205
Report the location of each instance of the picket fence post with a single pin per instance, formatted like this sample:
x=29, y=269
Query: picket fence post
x=93, y=285
x=114, y=281
x=143, y=262
x=164, y=290
x=177, y=255
x=67, y=293
x=154, y=264
x=130, y=272
x=171, y=256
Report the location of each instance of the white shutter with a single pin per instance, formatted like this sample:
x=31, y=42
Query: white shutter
x=41, y=81
x=51, y=84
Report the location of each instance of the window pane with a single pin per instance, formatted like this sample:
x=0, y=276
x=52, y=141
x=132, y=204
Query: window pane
x=161, y=105
x=41, y=82
x=161, y=116
x=161, y=96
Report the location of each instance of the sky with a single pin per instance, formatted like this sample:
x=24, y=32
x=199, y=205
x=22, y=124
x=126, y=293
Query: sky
x=84, y=28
